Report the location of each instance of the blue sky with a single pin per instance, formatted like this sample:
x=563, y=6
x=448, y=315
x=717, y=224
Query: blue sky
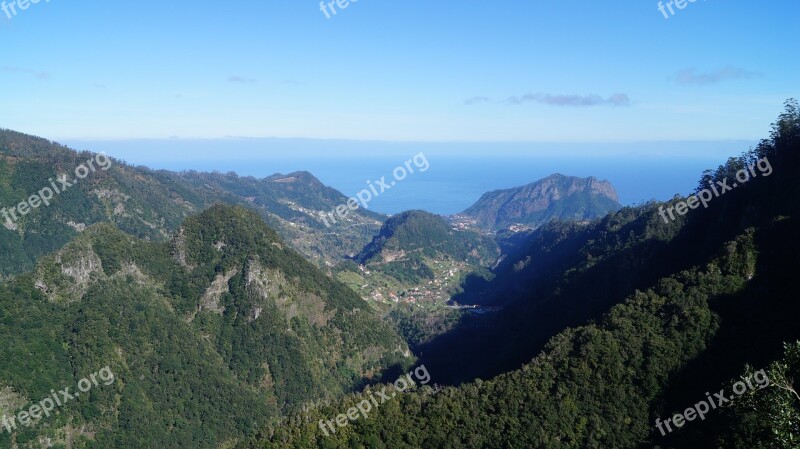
x=436, y=71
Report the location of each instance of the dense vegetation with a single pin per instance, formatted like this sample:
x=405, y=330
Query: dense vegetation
x=407, y=239
x=219, y=333
x=416, y=258
x=615, y=324
x=428, y=235
x=771, y=418
x=419, y=326
x=151, y=204
x=211, y=335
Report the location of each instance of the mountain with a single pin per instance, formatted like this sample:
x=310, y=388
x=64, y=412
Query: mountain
x=296, y=205
x=210, y=335
x=421, y=232
x=556, y=197
x=613, y=327
x=417, y=257
x=151, y=204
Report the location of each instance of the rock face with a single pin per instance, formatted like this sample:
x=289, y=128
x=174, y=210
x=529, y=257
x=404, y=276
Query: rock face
x=555, y=197
x=224, y=307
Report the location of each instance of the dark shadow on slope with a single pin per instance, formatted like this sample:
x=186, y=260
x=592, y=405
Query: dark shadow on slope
x=556, y=296
x=754, y=326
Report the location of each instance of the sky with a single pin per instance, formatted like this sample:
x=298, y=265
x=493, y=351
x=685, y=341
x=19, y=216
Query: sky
x=434, y=71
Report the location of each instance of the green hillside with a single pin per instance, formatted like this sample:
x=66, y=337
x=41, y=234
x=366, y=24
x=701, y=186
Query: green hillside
x=619, y=323
x=428, y=234
x=418, y=258
x=210, y=335
x=151, y=204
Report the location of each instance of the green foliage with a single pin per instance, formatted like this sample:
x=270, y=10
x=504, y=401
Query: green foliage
x=771, y=417
x=420, y=326
x=409, y=271
x=591, y=386
x=427, y=234
x=152, y=204
x=215, y=332
x=211, y=335
x=410, y=241
x=630, y=308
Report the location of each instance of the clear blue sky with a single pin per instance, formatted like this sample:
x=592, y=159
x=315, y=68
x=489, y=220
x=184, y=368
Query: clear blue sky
x=558, y=71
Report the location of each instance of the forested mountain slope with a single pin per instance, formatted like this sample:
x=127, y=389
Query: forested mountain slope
x=410, y=242
x=151, y=204
x=618, y=323
x=421, y=232
x=210, y=335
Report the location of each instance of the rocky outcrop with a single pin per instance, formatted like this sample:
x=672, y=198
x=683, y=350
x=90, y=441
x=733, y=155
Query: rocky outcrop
x=555, y=197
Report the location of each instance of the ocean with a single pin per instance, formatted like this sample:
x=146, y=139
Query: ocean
x=458, y=174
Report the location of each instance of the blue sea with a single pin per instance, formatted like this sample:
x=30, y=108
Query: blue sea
x=458, y=174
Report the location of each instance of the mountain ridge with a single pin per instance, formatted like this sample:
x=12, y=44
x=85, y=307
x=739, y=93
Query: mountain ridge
x=224, y=306
x=152, y=204
x=556, y=196
x=617, y=323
